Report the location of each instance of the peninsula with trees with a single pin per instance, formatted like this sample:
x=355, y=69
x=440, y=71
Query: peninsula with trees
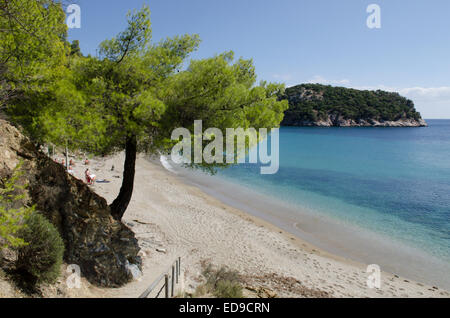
x=328, y=106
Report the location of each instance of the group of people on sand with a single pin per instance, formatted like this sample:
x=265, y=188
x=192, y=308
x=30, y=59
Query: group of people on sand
x=70, y=167
x=90, y=177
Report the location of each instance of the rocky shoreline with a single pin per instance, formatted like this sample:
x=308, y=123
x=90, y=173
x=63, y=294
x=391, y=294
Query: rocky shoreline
x=334, y=121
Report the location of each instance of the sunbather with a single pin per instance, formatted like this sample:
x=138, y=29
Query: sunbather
x=90, y=178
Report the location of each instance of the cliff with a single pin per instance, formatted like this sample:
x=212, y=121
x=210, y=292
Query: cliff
x=326, y=106
x=103, y=247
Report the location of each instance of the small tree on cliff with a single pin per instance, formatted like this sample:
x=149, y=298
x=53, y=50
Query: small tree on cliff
x=136, y=95
x=13, y=212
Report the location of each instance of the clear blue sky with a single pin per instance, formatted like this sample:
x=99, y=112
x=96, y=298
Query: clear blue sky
x=297, y=41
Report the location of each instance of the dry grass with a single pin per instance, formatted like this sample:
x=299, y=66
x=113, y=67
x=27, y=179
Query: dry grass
x=221, y=282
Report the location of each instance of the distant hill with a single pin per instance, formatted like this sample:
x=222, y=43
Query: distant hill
x=324, y=105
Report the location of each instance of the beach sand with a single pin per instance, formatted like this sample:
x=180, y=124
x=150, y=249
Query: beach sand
x=167, y=213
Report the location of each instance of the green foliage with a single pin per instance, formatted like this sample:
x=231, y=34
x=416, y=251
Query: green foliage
x=136, y=93
x=55, y=115
x=223, y=95
x=75, y=48
x=222, y=283
x=131, y=41
x=12, y=211
x=228, y=289
x=34, y=67
x=139, y=90
x=33, y=50
x=312, y=102
x=43, y=255
x=120, y=92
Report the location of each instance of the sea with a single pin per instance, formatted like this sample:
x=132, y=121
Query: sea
x=374, y=195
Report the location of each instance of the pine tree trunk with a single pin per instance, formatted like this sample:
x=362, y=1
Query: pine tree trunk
x=120, y=204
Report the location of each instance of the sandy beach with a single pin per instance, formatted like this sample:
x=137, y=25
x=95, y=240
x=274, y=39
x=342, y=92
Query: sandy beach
x=183, y=221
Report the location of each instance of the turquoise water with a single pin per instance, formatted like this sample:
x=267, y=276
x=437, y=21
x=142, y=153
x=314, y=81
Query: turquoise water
x=393, y=181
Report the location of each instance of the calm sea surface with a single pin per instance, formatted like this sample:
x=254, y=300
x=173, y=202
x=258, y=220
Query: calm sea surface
x=393, y=181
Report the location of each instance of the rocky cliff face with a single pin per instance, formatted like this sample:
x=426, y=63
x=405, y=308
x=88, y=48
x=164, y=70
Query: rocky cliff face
x=104, y=248
x=339, y=121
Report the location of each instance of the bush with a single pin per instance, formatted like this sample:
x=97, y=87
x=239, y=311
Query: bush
x=42, y=257
x=228, y=289
x=222, y=283
x=13, y=212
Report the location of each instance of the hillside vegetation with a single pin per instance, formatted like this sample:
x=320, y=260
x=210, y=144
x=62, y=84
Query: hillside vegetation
x=323, y=105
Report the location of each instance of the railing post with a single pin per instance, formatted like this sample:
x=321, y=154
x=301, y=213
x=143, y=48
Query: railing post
x=166, y=285
x=173, y=279
x=177, y=271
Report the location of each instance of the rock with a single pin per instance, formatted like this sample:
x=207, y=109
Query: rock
x=259, y=292
x=269, y=293
x=103, y=247
x=252, y=289
x=134, y=271
x=339, y=121
x=161, y=250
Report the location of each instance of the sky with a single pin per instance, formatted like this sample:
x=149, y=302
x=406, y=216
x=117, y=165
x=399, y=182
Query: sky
x=305, y=41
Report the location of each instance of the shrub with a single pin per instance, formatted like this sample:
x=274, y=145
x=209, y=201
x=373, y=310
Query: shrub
x=11, y=215
x=42, y=257
x=222, y=283
x=228, y=289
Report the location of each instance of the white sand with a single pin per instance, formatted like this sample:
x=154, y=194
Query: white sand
x=167, y=213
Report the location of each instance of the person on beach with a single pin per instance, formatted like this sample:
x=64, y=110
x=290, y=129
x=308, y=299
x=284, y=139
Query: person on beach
x=86, y=162
x=72, y=163
x=70, y=170
x=90, y=178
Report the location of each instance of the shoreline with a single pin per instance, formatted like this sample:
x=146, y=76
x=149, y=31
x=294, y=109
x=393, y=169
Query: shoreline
x=167, y=213
x=340, y=240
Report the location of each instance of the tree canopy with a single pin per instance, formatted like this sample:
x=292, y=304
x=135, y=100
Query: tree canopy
x=33, y=51
x=137, y=92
